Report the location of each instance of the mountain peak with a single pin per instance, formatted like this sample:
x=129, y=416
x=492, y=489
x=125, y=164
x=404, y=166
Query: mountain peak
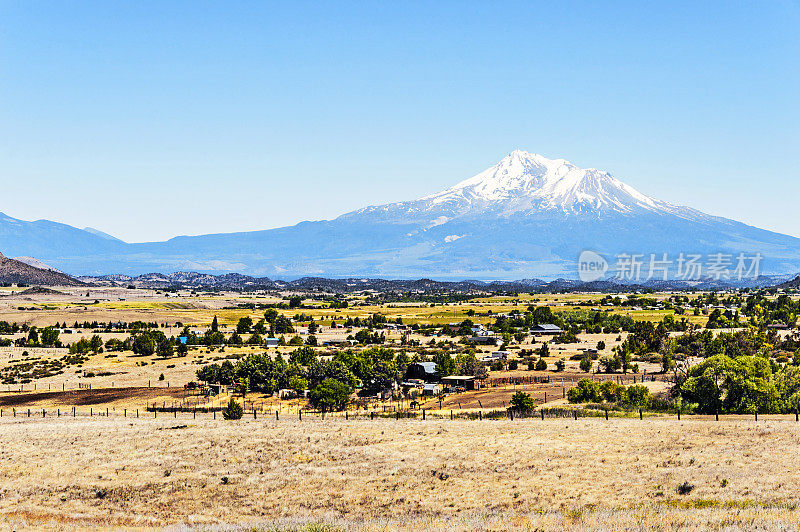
x=526, y=182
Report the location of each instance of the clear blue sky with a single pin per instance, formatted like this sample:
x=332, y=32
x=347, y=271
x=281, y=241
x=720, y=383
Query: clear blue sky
x=153, y=119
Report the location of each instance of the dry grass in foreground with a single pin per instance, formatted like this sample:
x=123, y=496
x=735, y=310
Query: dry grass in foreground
x=385, y=474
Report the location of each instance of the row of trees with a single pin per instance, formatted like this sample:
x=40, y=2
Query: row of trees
x=589, y=391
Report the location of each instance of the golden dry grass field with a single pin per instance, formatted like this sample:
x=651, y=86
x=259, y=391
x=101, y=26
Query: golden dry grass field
x=558, y=474
x=182, y=471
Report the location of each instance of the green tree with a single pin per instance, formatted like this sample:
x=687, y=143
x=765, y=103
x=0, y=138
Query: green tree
x=165, y=349
x=739, y=385
x=244, y=325
x=49, y=336
x=522, y=401
x=143, y=344
x=298, y=384
x=445, y=365
x=544, y=351
x=330, y=395
x=233, y=411
x=304, y=356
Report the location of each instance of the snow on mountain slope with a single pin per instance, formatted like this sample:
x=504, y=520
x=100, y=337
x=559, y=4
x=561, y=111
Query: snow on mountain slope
x=524, y=183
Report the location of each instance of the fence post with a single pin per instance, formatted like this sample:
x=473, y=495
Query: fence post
x=606, y=414
x=254, y=413
x=423, y=414
x=756, y=415
x=679, y=414
x=372, y=415
x=480, y=415
x=106, y=412
x=345, y=415
x=796, y=416
x=640, y=413
x=451, y=415
x=137, y=412
x=716, y=415
x=542, y=413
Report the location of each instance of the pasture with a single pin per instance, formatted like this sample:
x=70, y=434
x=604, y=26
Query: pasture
x=386, y=474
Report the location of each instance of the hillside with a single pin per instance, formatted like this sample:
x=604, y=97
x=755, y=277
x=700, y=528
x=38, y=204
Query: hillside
x=16, y=272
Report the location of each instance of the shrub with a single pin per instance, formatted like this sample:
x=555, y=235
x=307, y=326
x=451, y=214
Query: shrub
x=586, y=364
x=541, y=364
x=611, y=391
x=522, y=402
x=587, y=391
x=233, y=410
x=637, y=395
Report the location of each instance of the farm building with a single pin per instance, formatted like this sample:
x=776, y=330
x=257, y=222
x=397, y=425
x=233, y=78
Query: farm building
x=425, y=371
x=431, y=389
x=336, y=342
x=496, y=355
x=465, y=381
x=483, y=340
x=545, y=329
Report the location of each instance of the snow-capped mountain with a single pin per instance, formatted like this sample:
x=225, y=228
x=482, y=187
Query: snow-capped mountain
x=526, y=216
x=524, y=184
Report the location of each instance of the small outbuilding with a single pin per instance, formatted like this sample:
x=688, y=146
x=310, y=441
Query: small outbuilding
x=464, y=381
